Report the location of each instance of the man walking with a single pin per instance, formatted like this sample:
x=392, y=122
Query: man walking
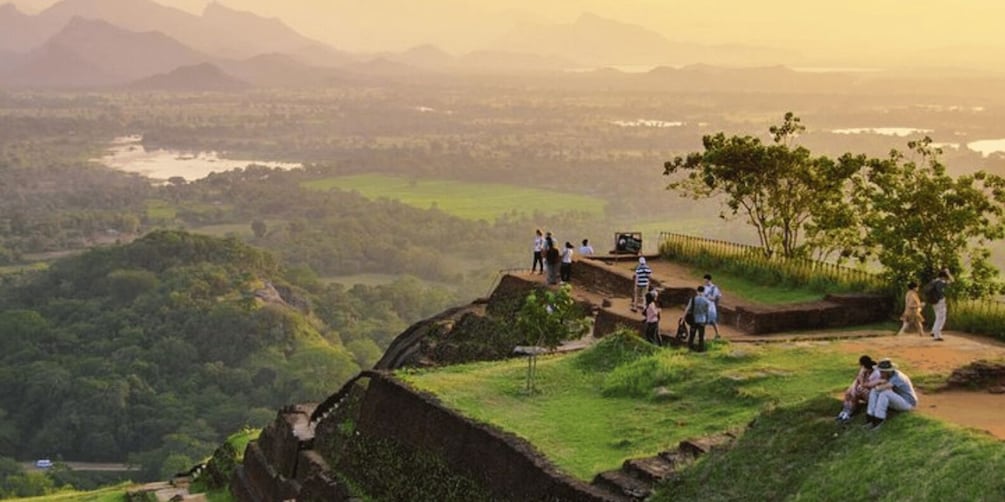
x=935, y=293
x=641, y=277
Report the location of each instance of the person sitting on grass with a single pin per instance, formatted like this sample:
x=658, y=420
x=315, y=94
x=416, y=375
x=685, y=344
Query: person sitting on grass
x=858, y=393
x=896, y=392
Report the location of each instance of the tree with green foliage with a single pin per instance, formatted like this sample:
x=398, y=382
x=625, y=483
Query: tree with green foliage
x=783, y=191
x=548, y=318
x=259, y=228
x=918, y=219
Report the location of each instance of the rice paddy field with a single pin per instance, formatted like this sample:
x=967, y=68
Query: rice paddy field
x=473, y=201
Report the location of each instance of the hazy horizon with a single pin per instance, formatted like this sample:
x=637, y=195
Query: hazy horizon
x=858, y=32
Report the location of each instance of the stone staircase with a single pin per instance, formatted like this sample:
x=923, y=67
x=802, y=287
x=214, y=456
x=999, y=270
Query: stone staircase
x=637, y=477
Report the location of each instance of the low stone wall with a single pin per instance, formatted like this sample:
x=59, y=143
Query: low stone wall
x=504, y=463
x=834, y=311
x=608, y=321
x=596, y=275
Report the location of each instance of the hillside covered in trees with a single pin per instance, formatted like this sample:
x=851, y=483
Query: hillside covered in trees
x=153, y=351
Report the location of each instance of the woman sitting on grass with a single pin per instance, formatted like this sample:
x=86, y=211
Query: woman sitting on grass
x=858, y=393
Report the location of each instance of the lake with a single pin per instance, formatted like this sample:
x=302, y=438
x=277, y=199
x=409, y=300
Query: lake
x=127, y=154
x=987, y=146
x=884, y=131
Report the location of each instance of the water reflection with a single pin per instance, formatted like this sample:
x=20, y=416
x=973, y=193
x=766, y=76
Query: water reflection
x=127, y=154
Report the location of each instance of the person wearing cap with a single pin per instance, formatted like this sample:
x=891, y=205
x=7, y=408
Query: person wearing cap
x=858, y=392
x=641, y=278
x=896, y=392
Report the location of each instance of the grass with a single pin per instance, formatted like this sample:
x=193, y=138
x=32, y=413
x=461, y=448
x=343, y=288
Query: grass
x=115, y=493
x=242, y=230
x=797, y=452
x=588, y=418
x=473, y=201
x=757, y=292
x=160, y=210
x=17, y=269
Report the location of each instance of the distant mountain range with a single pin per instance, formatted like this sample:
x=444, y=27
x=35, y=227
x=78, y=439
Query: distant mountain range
x=141, y=44
x=200, y=77
x=596, y=41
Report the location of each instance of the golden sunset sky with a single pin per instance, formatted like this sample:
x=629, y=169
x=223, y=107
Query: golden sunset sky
x=835, y=26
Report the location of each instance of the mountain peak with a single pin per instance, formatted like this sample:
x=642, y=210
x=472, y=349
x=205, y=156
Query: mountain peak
x=9, y=8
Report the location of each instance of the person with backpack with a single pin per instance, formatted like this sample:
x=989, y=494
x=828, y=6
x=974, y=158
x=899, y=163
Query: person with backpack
x=935, y=294
x=698, y=309
x=912, y=317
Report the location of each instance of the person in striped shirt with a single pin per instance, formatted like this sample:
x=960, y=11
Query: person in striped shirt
x=641, y=277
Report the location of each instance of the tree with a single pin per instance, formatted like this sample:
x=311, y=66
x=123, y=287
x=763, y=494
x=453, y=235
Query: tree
x=259, y=228
x=781, y=190
x=546, y=319
x=918, y=219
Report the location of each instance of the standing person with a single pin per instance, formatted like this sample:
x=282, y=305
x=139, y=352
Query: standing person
x=713, y=294
x=936, y=295
x=552, y=259
x=698, y=308
x=586, y=249
x=912, y=317
x=567, y=262
x=549, y=244
x=538, y=263
x=641, y=278
x=897, y=392
x=652, y=313
x=858, y=392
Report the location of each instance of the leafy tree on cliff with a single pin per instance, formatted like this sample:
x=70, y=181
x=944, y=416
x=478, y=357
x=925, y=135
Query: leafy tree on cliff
x=783, y=191
x=918, y=219
x=548, y=318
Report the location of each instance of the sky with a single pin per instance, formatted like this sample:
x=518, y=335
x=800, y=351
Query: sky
x=809, y=25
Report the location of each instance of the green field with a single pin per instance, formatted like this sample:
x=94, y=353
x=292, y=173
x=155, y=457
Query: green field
x=474, y=201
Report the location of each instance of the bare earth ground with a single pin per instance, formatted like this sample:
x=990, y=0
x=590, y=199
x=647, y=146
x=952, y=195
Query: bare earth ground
x=978, y=410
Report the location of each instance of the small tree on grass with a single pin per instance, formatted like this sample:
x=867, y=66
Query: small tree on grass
x=546, y=319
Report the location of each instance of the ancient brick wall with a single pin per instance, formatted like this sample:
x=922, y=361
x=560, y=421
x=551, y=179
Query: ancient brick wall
x=504, y=463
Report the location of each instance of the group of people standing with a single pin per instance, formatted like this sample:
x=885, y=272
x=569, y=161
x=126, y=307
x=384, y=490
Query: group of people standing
x=701, y=310
x=554, y=263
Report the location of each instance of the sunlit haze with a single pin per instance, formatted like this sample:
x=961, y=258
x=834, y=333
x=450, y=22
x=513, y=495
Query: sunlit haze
x=851, y=32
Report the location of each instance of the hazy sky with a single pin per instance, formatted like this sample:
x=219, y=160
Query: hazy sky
x=814, y=25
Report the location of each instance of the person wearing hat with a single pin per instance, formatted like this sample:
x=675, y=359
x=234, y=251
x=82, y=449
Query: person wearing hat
x=641, y=279
x=896, y=392
x=858, y=392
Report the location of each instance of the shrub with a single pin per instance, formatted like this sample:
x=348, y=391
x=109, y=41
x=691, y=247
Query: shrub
x=638, y=378
x=622, y=346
